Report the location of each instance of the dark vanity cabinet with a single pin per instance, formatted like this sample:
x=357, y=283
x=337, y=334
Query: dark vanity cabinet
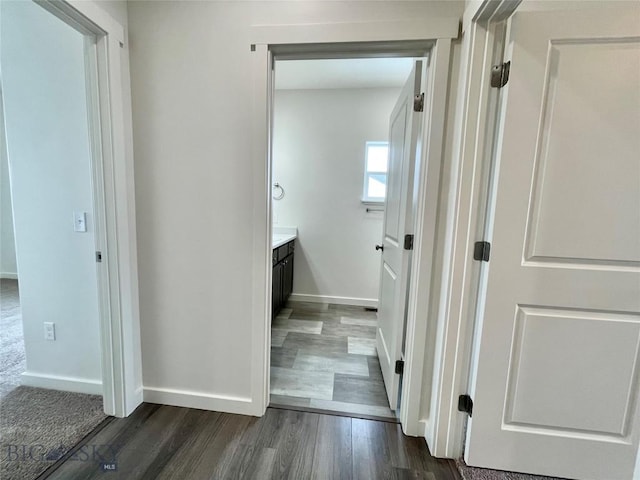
x=282, y=283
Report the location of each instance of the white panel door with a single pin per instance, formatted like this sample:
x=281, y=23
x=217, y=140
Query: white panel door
x=403, y=134
x=556, y=386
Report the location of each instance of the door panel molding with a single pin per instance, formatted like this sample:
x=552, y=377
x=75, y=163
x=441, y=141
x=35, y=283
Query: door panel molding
x=527, y=402
x=569, y=84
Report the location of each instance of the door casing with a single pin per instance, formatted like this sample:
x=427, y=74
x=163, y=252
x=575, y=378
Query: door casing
x=424, y=38
x=474, y=131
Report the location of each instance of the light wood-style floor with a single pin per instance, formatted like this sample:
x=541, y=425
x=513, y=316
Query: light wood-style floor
x=323, y=358
x=162, y=442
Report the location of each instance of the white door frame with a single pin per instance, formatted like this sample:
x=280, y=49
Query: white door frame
x=469, y=183
x=114, y=203
x=430, y=35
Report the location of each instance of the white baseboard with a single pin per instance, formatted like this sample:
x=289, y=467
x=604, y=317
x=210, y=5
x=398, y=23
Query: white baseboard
x=66, y=384
x=133, y=403
x=358, y=302
x=200, y=400
x=421, y=430
x=9, y=275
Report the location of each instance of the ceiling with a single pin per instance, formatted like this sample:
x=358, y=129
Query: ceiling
x=342, y=73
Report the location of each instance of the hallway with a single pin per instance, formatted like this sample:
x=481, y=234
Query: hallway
x=164, y=442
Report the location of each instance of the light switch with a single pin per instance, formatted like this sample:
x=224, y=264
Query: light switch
x=49, y=331
x=80, y=221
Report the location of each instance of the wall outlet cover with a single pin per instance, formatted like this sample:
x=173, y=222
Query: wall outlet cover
x=49, y=331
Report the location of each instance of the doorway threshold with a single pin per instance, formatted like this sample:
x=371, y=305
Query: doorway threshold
x=336, y=413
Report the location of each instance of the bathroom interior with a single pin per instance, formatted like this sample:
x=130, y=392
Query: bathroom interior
x=329, y=167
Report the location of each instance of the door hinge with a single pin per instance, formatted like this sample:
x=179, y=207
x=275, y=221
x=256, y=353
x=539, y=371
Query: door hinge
x=500, y=74
x=418, y=103
x=465, y=404
x=482, y=251
x=399, y=367
x=99, y=257
x=408, y=242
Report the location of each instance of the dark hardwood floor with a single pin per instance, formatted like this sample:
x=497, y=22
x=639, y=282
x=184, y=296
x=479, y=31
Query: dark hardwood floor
x=163, y=442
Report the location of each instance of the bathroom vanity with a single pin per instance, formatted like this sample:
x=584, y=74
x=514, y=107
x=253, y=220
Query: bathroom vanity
x=282, y=261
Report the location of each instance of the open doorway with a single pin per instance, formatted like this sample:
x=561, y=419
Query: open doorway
x=331, y=133
x=51, y=373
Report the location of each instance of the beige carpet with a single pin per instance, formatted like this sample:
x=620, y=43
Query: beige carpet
x=12, y=357
x=473, y=473
x=37, y=426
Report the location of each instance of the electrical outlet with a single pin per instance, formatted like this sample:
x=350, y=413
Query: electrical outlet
x=49, y=331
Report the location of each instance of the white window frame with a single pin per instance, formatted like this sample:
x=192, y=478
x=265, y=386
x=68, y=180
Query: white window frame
x=367, y=173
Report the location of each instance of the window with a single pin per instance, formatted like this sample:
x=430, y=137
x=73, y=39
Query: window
x=375, y=172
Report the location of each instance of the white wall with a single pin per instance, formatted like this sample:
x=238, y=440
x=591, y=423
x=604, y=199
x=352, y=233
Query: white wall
x=191, y=83
x=8, y=267
x=118, y=10
x=318, y=157
x=49, y=156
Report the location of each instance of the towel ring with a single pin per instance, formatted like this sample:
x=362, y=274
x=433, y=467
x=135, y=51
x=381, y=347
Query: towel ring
x=280, y=195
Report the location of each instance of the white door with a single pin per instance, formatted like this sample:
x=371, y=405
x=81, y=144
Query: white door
x=403, y=133
x=556, y=387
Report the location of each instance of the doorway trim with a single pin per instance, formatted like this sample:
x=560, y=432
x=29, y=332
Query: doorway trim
x=114, y=202
x=434, y=36
x=483, y=27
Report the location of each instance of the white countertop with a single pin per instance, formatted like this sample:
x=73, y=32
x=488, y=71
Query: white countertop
x=282, y=235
